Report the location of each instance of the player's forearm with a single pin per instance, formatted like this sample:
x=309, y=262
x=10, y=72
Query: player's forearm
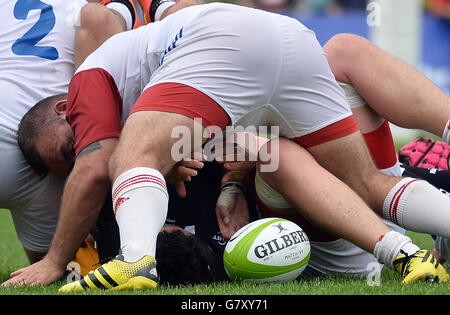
x=82, y=201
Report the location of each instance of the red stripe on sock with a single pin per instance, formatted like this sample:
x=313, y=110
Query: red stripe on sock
x=140, y=177
x=393, y=207
x=136, y=180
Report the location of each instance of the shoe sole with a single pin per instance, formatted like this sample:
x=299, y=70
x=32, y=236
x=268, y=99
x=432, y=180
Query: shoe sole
x=136, y=283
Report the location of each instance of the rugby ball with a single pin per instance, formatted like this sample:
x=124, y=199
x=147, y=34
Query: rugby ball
x=266, y=250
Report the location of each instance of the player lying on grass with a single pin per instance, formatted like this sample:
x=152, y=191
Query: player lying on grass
x=108, y=143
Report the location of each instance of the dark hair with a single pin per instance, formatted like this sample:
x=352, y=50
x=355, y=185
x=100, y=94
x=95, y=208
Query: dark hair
x=183, y=259
x=31, y=127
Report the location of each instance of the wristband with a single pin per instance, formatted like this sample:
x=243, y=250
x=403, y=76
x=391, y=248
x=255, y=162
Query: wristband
x=233, y=184
x=158, y=7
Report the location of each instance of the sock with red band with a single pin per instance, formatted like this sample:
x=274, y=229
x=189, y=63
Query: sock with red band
x=140, y=202
x=382, y=149
x=418, y=206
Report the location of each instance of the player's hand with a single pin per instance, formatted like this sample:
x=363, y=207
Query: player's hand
x=183, y=172
x=231, y=210
x=43, y=272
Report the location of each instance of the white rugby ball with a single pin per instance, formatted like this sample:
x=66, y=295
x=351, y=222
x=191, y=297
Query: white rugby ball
x=266, y=250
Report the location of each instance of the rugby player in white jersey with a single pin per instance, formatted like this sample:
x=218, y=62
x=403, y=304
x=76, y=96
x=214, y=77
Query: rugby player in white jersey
x=41, y=45
x=37, y=60
x=170, y=57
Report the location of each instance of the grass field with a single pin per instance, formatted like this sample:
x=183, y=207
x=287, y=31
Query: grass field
x=13, y=257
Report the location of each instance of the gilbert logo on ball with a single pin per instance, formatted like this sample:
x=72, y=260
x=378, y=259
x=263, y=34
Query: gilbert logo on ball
x=271, y=249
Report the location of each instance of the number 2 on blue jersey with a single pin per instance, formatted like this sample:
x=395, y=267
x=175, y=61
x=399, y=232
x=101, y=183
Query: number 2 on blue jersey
x=27, y=44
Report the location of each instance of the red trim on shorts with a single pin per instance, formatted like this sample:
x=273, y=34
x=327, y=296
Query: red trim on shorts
x=185, y=100
x=381, y=146
x=334, y=131
x=314, y=233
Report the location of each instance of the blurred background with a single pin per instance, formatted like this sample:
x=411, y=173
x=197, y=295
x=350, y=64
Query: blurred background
x=417, y=31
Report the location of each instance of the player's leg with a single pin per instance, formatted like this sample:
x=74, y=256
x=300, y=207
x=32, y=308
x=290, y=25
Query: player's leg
x=379, y=140
x=161, y=130
x=138, y=169
x=330, y=253
x=322, y=120
x=394, y=89
x=376, y=132
x=153, y=140
x=140, y=200
x=321, y=197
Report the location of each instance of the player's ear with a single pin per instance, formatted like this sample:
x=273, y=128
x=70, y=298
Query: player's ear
x=60, y=107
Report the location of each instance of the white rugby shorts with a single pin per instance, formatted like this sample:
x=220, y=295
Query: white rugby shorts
x=263, y=69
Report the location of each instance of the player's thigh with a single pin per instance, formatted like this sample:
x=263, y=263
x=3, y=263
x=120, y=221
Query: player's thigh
x=348, y=158
x=148, y=137
x=168, y=122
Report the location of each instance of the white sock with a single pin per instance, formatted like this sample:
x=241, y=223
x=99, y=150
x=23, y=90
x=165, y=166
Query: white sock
x=395, y=170
x=123, y=10
x=389, y=246
x=418, y=206
x=140, y=202
x=446, y=134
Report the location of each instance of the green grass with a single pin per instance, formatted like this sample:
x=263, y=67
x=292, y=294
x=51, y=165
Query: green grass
x=13, y=257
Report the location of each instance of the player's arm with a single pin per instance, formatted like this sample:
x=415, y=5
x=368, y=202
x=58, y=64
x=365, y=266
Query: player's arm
x=232, y=209
x=84, y=194
x=180, y=4
x=33, y=256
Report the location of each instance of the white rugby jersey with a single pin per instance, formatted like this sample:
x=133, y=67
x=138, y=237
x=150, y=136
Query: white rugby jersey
x=36, y=61
x=36, y=53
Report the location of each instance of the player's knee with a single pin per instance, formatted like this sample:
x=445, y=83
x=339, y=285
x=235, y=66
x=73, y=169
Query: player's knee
x=345, y=45
x=342, y=51
x=274, y=159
